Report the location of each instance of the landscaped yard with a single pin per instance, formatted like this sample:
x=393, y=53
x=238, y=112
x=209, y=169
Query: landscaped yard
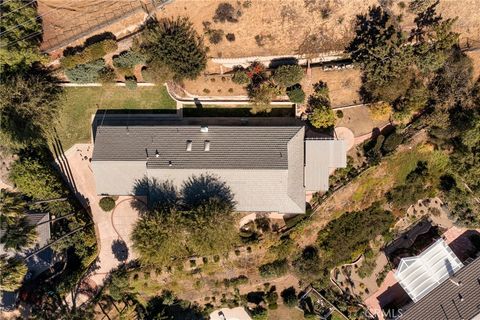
x=81, y=103
x=190, y=110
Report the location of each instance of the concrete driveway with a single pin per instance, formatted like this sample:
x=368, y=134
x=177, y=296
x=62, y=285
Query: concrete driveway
x=112, y=228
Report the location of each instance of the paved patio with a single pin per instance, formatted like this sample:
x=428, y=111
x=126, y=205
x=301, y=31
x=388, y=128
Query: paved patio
x=110, y=227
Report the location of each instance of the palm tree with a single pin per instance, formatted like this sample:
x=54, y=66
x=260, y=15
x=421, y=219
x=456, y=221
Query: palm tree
x=13, y=220
x=18, y=235
x=12, y=206
x=12, y=272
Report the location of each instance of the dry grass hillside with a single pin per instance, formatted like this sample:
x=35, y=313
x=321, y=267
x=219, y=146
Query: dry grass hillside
x=275, y=27
x=263, y=27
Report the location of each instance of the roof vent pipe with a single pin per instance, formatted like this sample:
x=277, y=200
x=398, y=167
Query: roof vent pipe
x=207, y=145
x=189, y=145
x=204, y=129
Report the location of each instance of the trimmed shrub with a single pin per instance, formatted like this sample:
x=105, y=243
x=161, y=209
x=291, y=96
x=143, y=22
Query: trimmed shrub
x=230, y=37
x=240, y=77
x=107, y=204
x=91, y=53
x=131, y=83
x=86, y=73
x=288, y=75
x=339, y=114
x=296, y=94
x=276, y=268
x=128, y=59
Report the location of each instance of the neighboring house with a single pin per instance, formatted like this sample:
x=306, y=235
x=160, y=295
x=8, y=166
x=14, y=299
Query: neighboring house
x=456, y=298
x=268, y=168
x=237, y=313
x=419, y=275
x=37, y=263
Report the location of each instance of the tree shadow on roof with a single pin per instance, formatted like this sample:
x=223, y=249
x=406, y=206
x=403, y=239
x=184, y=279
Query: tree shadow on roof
x=197, y=190
x=161, y=195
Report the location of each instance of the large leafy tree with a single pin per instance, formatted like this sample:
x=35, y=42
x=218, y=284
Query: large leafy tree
x=28, y=107
x=380, y=49
x=12, y=273
x=20, y=31
x=433, y=39
x=201, y=225
x=175, y=44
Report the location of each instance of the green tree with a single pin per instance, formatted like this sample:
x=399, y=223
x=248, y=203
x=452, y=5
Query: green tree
x=322, y=117
x=434, y=39
x=12, y=273
x=119, y=286
x=288, y=75
x=262, y=94
x=380, y=49
x=159, y=239
x=17, y=232
x=175, y=44
x=36, y=179
x=296, y=94
x=240, y=77
x=28, y=107
x=21, y=32
x=12, y=205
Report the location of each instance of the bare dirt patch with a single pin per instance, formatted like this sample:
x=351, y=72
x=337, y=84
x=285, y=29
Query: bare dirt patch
x=302, y=26
x=274, y=27
x=343, y=85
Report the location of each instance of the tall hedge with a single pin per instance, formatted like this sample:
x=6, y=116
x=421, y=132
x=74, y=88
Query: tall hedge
x=91, y=53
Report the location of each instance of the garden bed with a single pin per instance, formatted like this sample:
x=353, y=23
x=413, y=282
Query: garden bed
x=191, y=110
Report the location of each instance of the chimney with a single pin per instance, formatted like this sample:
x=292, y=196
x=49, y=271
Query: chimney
x=206, y=145
x=189, y=145
x=204, y=129
x=455, y=281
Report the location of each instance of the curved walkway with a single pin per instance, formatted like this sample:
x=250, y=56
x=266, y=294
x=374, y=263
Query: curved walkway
x=109, y=226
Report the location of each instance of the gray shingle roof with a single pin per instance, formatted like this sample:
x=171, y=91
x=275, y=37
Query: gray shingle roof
x=448, y=300
x=263, y=166
x=231, y=147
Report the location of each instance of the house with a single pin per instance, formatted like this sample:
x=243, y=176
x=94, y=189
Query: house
x=237, y=313
x=36, y=263
x=455, y=298
x=269, y=168
x=419, y=275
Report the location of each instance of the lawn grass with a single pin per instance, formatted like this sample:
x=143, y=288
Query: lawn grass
x=191, y=110
x=80, y=103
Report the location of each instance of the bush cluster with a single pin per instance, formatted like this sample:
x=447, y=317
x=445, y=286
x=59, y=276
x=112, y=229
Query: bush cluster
x=288, y=75
x=93, y=52
x=88, y=72
x=234, y=282
x=276, y=268
x=296, y=94
x=128, y=59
